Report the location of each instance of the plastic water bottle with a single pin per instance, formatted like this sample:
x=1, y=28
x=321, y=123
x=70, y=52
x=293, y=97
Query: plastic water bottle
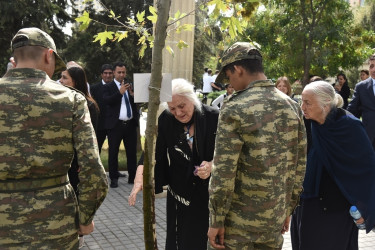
x=356, y=215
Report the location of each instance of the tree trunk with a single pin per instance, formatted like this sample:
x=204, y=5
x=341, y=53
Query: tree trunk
x=160, y=34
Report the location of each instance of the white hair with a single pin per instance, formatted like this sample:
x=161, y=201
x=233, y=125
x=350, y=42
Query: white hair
x=325, y=94
x=182, y=87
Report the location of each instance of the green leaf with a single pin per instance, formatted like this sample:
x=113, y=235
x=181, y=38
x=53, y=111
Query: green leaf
x=170, y=50
x=154, y=16
x=84, y=20
x=152, y=10
x=112, y=14
x=142, y=50
x=103, y=36
x=188, y=27
x=141, y=16
x=121, y=35
x=142, y=40
x=131, y=21
x=177, y=14
x=182, y=44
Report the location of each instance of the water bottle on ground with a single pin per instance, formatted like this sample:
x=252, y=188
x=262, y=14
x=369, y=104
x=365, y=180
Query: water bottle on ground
x=356, y=215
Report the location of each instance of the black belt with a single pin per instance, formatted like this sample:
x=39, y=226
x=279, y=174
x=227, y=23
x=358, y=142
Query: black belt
x=125, y=122
x=27, y=185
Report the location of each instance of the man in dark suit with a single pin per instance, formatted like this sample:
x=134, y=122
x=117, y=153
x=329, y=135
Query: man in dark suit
x=122, y=119
x=97, y=93
x=363, y=102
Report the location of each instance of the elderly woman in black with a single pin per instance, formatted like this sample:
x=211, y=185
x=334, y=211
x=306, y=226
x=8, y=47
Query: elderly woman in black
x=184, y=151
x=340, y=172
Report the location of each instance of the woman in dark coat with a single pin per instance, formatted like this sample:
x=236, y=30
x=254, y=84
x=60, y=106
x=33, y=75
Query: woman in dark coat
x=340, y=173
x=184, y=151
x=343, y=89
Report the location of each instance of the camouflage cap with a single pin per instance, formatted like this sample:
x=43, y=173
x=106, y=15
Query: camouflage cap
x=37, y=37
x=238, y=51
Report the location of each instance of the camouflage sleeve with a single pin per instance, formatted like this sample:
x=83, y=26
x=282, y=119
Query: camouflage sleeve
x=227, y=150
x=298, y=178
x=93, y=185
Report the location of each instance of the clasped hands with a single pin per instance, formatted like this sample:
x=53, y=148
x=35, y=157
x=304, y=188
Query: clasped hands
x=203, y=171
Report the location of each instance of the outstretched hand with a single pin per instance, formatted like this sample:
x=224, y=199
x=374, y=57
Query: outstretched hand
x=138, y=186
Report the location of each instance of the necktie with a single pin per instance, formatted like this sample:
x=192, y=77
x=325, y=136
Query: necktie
x=127, y=103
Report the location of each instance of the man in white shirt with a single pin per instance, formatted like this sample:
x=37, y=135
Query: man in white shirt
x=122, y=120
x=218, y=102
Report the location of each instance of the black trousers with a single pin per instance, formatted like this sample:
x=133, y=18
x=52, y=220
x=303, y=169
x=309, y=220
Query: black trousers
x=127, y=133
x=101, y=135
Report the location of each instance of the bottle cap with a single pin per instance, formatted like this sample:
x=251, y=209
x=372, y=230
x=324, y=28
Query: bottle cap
x=353, y=208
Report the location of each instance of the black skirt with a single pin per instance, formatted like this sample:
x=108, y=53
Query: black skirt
x=314, y=228
x=187, y=226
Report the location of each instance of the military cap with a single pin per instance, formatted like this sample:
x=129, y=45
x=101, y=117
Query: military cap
x=238, y=51
x=37, y=37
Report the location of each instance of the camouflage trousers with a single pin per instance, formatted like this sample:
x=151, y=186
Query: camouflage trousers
x=235, y=238
x=66, y=243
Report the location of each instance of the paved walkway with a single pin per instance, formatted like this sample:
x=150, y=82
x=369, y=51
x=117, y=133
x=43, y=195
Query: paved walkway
x=119, y=226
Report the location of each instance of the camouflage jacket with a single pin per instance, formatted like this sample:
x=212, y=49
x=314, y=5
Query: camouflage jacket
x=259, y=161
x=40, y=124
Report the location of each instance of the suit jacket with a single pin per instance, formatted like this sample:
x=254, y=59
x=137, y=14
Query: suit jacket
x=97, y=90
x=112, y=97
x=363, y=104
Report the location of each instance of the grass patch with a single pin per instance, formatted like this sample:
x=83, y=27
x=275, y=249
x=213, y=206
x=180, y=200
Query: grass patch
x=122, y=161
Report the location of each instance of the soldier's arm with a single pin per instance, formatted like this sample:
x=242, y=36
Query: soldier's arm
x=93, y=185
x=227, y=150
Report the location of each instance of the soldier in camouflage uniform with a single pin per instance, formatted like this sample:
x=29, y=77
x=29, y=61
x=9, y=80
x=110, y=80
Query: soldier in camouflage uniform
x=259, y=160
x=41, y=122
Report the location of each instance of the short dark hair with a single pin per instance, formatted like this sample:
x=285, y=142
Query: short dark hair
x=365, y=71
x=105, y=67
x=250, y=65
x=118, y=64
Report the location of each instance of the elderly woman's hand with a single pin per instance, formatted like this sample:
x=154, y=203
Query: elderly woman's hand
x=138, y=185
x=204, y=170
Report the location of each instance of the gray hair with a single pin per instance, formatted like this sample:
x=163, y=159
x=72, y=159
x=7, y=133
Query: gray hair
x=185, y=89
x=326, y=94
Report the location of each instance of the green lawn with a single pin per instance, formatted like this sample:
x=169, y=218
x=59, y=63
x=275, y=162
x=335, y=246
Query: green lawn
x=121, y=156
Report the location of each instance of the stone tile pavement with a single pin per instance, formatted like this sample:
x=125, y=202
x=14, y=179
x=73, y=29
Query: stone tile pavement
x=119, y=226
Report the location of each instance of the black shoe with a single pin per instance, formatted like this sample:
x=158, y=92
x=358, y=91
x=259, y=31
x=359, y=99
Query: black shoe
x=114, y=183
x=121, y=175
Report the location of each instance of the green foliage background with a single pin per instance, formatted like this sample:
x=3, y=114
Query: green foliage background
x=343, y=36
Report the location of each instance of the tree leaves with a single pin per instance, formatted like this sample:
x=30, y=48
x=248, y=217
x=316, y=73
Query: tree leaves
x=84, y=20
x=103, y=36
